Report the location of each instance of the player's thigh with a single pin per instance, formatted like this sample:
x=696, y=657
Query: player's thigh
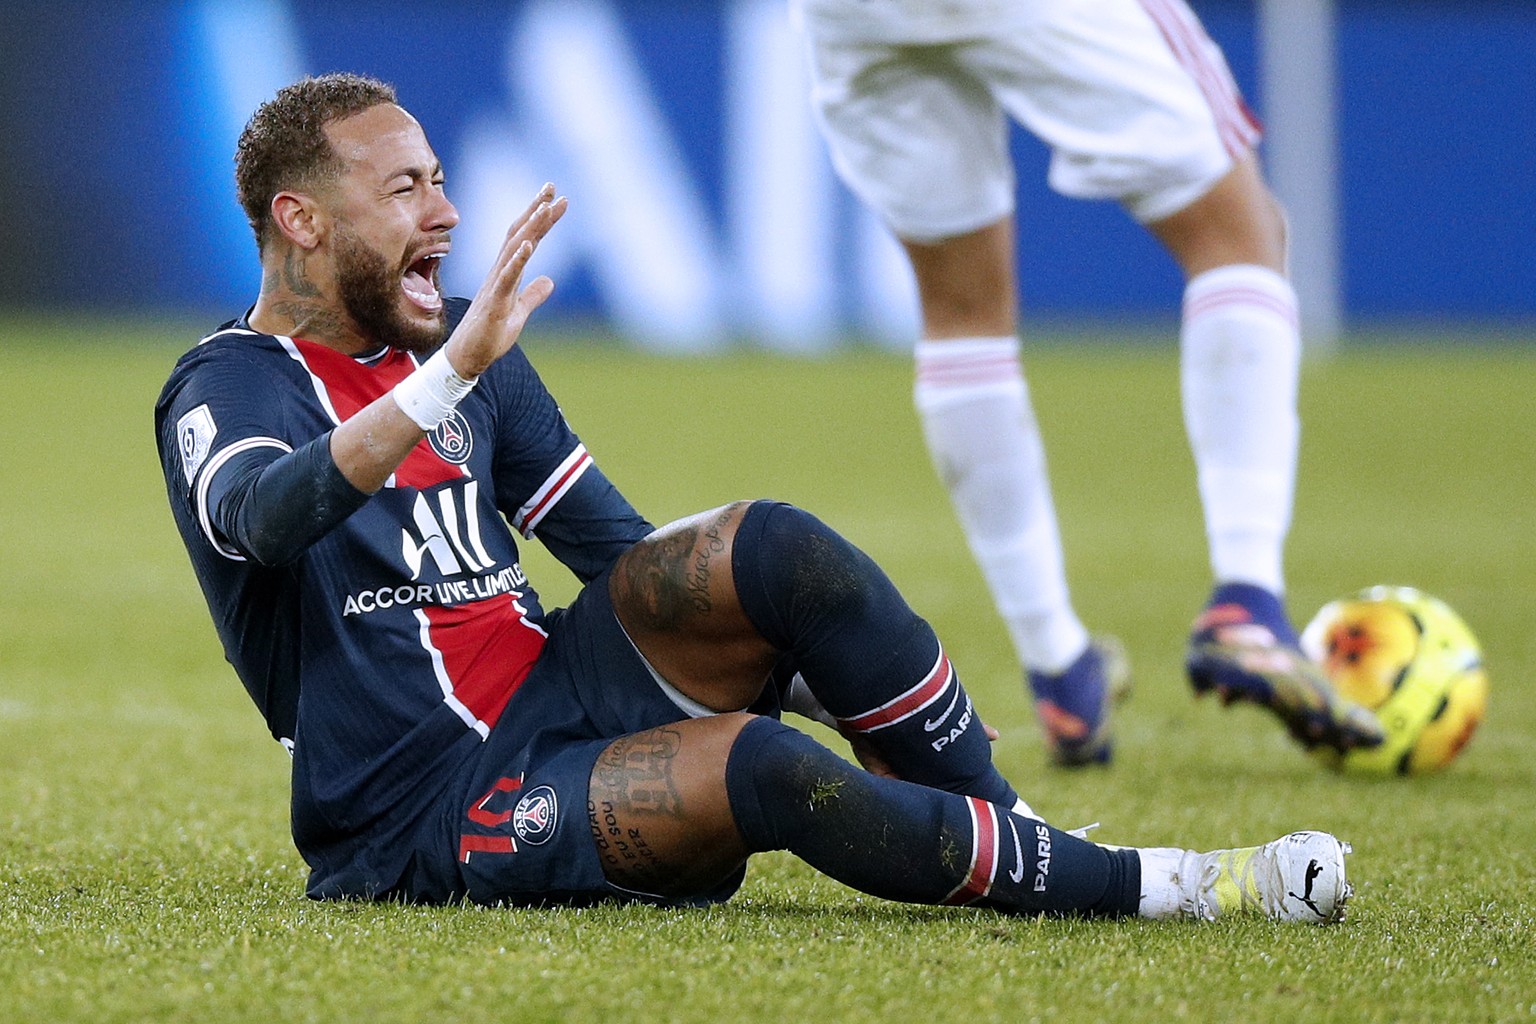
x=966, y=284
x=915, y=136
x=1133, y=98
x=522, y=827
x=675, y=595
x=660, y=813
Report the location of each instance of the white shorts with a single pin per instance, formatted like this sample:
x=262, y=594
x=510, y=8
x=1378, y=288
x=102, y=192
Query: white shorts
x=1133, y=98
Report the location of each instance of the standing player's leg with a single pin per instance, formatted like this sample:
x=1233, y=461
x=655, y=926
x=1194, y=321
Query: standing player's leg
x=923, y=143
x=1240, y=358
x=699, y=796
x=1137, y=104
x=1241, y=352
x=985, y=442
x=715, y=601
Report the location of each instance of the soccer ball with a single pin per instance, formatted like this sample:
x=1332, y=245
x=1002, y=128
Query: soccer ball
x=1412, y=660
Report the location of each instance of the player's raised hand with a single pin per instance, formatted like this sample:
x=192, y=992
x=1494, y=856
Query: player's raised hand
x=502, y=306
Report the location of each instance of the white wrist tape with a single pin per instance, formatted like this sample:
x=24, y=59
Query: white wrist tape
x=431, y=393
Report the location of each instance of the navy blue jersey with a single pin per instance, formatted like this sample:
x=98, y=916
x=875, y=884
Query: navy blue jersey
x=384, y=652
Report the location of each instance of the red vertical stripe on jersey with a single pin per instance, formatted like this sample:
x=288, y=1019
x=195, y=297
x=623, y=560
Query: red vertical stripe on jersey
x=353, y=385
x=488, y=649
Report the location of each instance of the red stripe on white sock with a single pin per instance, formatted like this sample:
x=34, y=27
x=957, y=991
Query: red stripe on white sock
x=1231, y=299
x=964, y=371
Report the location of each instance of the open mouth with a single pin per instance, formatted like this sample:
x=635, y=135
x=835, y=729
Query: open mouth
x=420, y=282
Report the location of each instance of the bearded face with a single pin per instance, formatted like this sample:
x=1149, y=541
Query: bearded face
x=373, y=294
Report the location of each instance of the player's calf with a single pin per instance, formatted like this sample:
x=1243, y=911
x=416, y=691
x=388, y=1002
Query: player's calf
x=912, y=843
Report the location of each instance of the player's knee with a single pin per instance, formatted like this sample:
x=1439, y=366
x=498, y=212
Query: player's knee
x=1266, y=223
x=672, y=577
x=716, y=735
x=659, y=808
x=796, y=559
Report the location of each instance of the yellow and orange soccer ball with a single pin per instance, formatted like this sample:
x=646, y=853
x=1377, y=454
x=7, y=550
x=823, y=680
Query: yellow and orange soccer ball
x=1412, y=660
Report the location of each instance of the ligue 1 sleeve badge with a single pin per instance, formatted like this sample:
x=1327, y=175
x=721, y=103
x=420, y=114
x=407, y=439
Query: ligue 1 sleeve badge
x=534, y=816
x=195, y=432
x=451, y=439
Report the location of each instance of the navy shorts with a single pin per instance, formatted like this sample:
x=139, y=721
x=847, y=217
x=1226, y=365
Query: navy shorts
x=522, y=832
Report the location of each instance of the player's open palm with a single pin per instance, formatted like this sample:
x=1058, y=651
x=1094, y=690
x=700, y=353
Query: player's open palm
x=502, y=306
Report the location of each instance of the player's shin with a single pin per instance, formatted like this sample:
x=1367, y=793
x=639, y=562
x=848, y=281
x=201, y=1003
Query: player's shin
x=871, y=661
x=1241, y=354
x=912, y=843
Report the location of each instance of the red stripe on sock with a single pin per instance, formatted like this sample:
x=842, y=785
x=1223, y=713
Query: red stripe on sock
x=907, y=704
x=1238, y=298
x=984, y=854
x=953, y=372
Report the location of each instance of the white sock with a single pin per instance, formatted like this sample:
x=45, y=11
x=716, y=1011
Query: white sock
x=1164, y=894
x=985, y=444
x=1241, y=355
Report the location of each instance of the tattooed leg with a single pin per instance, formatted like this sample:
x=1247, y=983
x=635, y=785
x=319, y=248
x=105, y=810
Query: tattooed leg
x=675, y=594
x=675, y=810
x=660, y=816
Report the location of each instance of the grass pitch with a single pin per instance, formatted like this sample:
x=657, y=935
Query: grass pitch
x=145, y=868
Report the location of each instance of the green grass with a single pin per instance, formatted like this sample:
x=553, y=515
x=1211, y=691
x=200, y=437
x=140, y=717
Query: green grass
x=146, y=872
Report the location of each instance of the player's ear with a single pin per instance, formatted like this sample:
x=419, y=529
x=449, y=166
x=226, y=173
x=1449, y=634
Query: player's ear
x=299, y=217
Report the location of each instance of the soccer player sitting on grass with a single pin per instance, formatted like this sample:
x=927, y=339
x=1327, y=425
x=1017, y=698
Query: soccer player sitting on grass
x=347, y=463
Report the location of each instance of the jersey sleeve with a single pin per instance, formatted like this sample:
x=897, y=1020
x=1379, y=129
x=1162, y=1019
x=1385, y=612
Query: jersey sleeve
x=256, y=490
x=273, y=506
x=591, y=526
x=219, y=410
x=547, y=484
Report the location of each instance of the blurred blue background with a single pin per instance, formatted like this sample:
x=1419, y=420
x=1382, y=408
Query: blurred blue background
x=703, y=208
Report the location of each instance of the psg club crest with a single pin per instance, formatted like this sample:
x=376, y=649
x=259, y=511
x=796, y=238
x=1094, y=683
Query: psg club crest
x=451, y=439
x=534, y=816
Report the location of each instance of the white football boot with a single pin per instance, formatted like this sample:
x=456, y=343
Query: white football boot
x=1299, y=877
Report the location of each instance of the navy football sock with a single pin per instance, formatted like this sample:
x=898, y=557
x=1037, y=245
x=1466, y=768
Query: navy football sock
x=901, y=841
x=871, y=661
